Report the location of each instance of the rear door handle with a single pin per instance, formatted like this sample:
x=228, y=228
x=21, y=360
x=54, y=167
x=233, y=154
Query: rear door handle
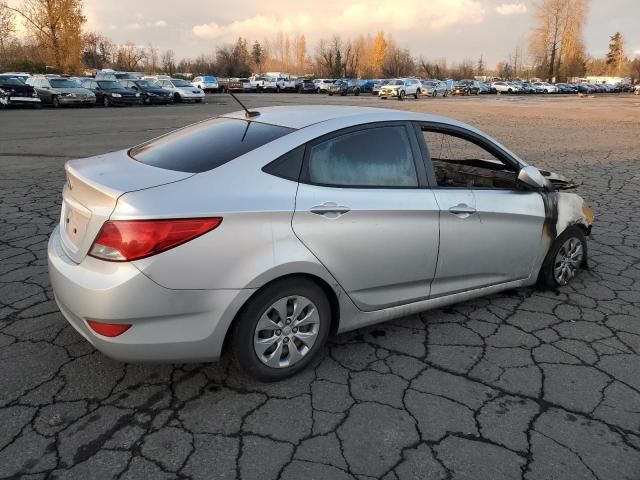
x=329, y=209
x=462, y=209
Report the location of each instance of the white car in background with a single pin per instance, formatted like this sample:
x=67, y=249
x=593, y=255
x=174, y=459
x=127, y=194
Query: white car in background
x=206, y=83
x=434, y=88
x=503, y=87
x=400, y=88
x=544, y=87
x=182, y=90
x=323, y=84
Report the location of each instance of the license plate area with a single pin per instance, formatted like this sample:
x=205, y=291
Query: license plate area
x=75, y=219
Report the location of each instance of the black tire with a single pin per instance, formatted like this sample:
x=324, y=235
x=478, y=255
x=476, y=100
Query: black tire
x=177, y=98
x=356, y=92
x=55, y=101
x=401, y=95
x=245, y=325
x=106, y=101
x=330, y=94
x=546, y=277
x=198, y=100
x=415, y=95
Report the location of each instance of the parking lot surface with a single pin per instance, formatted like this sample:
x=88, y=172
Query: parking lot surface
x=524, y=384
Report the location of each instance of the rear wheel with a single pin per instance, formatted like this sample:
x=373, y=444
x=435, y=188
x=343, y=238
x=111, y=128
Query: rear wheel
x=415, y=95
x=177, y=98
x=281, y=329
x=401, y=95
x=55, y=101
x=567, y=254
x=356, y=92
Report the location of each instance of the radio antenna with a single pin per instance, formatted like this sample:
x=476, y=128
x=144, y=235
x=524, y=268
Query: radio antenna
x=248, y=113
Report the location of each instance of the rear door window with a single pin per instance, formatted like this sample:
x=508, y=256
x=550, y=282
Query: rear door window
x=206, y=145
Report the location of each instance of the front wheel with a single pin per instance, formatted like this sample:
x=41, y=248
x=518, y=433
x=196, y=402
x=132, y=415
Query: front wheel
x=356, y=92
x=281, y=329
x=177, y=98
x=415, y=95
x=106, y=101
x=401, y=95
x=55, y=101
x=567, y=254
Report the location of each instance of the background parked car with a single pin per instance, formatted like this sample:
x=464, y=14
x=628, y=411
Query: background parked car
x=345, y=86
x=400, y=88
x=434, y=88
x=306, y=86
x=111, y=92
x=544, y=87
x=323, y=84
x=61, y=91
x=377, y=85
x=150, y=92
x=466, y=87
x=182, y=90
x=206, y=83
x=636, y=90
x=366, y=86
x=566, y=88
x=14, y=91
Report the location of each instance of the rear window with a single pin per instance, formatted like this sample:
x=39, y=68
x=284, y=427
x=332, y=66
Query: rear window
x=206, y=145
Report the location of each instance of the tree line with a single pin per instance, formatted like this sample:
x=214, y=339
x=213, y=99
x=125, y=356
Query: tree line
x=57, y=41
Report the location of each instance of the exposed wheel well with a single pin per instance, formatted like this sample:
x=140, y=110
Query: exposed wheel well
x=326, y=288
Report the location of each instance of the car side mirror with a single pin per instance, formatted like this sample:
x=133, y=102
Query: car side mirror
x=532, y=177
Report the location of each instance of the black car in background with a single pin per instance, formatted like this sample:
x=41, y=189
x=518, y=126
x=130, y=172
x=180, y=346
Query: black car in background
x=466, y=87
x=111, y=92
x=13, y=91
x=151, y=93
x=306, y=86
x=345, y=86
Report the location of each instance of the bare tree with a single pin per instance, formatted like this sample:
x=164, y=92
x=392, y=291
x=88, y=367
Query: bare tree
x=168, y=61
x=7, y=25
x=556, y=39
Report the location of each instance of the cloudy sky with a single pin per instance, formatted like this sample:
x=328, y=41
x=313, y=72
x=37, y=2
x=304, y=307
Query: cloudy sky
x=455, y=29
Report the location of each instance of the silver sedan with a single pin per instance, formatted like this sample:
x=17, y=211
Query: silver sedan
x=268, y=231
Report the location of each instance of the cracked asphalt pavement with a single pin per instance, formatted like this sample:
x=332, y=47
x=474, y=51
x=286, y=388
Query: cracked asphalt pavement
x=523, y=384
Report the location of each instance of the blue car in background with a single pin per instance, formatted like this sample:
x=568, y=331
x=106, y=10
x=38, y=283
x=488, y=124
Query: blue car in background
x=366, y=86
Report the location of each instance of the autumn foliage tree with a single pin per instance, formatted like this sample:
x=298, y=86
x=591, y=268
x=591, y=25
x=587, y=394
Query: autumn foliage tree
x=557, y=38
x=56, y=26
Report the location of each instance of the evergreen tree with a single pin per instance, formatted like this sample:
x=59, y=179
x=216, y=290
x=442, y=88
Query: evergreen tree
x=615, y=57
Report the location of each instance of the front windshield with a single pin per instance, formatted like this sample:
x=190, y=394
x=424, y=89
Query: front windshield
x=396, y=82
x=208, y=79
x=10, y=81
x=180, y=83
x=146, y=84
x=429, y=84
x=63, y=83
x=110, y=85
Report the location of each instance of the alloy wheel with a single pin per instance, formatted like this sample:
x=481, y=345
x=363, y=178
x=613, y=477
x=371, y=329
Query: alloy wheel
x=286, y=331
x=568, y=260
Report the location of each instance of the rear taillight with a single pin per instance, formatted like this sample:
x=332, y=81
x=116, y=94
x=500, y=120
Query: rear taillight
x=127, y=240
x=108, y=329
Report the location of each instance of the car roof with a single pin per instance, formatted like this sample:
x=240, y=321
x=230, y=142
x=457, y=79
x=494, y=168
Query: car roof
x=301, y=116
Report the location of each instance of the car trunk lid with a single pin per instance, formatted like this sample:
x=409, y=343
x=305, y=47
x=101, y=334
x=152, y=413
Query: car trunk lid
x=92, y=190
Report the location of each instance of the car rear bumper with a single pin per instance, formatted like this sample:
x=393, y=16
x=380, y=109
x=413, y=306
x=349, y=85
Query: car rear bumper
x=166, y=325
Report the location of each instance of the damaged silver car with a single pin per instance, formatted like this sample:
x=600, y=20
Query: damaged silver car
x=267, y=231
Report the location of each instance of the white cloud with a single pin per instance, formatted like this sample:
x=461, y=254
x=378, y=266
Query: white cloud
x=149, y=24
x=360, y=17
x=511, y=8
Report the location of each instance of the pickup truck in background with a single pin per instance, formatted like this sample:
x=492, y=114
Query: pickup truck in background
x=236, y=85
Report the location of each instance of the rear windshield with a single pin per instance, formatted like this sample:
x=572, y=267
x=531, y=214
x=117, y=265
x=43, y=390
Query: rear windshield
x=206, y=145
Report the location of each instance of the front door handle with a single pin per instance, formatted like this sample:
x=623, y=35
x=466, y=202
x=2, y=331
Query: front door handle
x=462, y=209
x=329, y=209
